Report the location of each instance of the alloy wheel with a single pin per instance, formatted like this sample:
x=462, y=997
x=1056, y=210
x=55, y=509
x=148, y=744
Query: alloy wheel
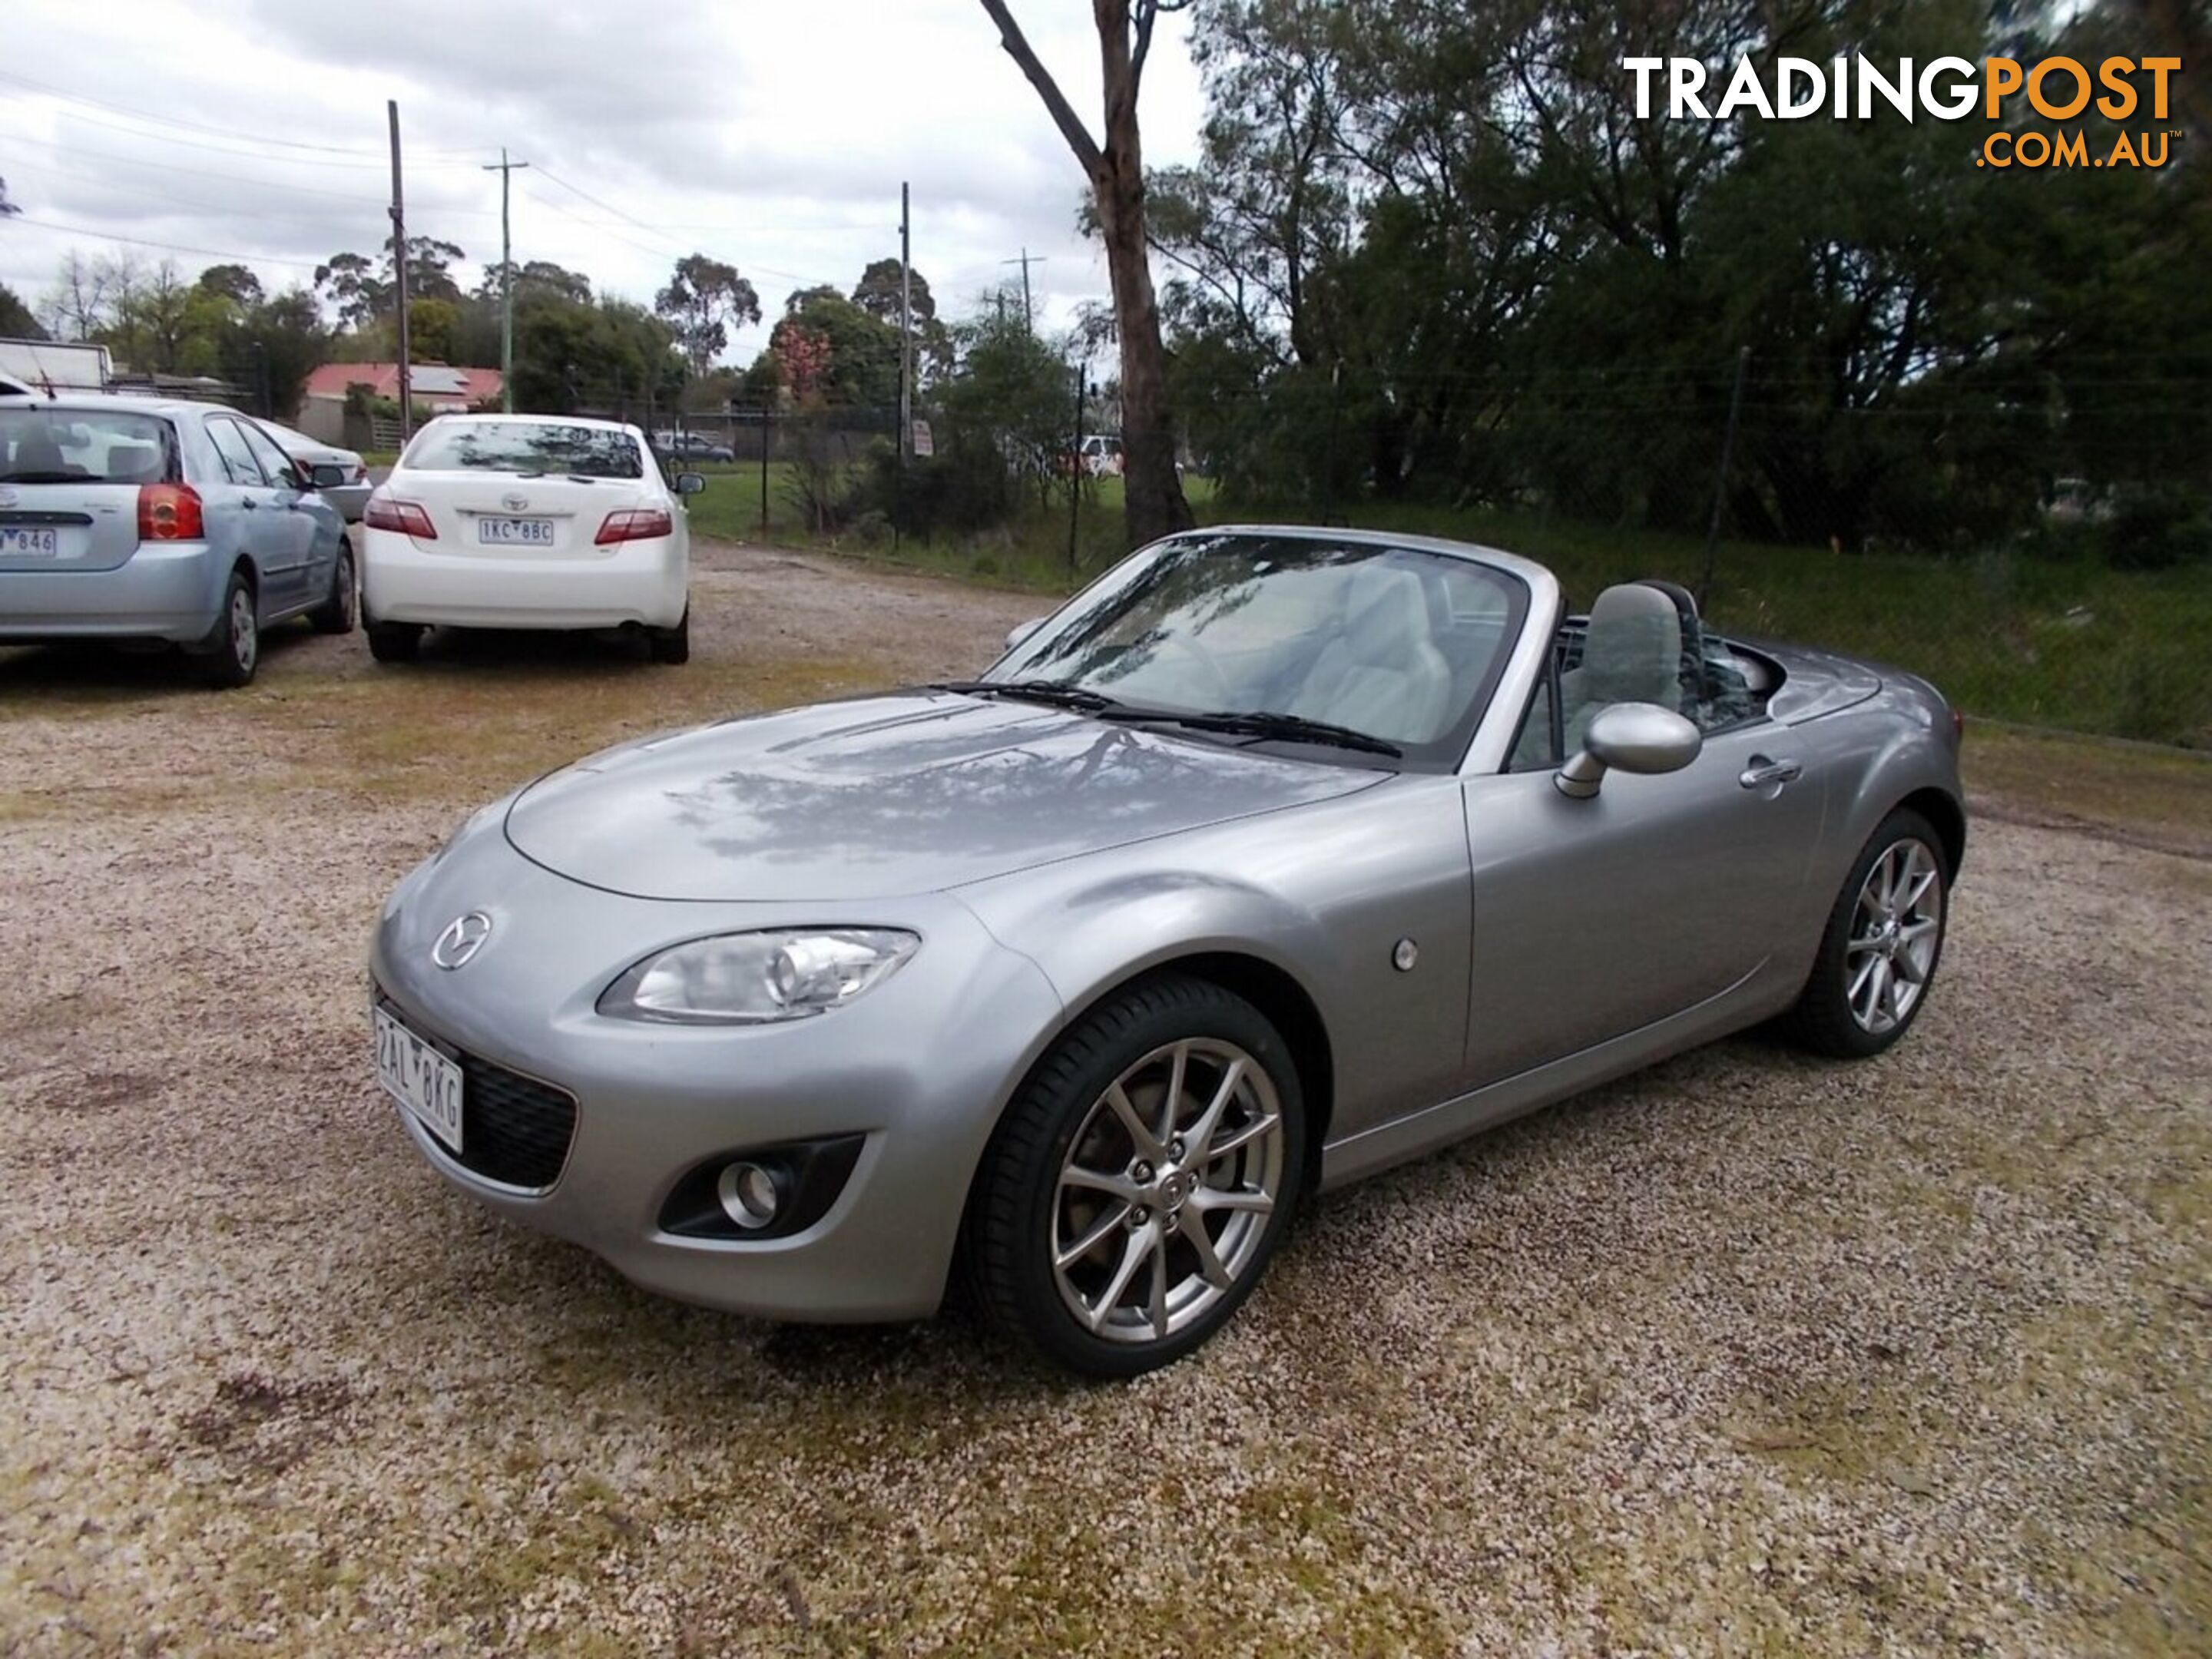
x=1896, y=927
x=245, y=637
x=1167, y=1191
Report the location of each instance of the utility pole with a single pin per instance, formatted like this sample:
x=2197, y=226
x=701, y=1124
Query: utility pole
x=1075, y=472
x=1028, y=320
x=504, y=168
x=1721, y=483
x=906, y=323
x=399, y=277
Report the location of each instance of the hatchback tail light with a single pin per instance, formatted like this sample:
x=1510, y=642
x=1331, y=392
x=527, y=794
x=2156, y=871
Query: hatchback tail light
x=170, y=512
x=407, y=518
x=636, y=524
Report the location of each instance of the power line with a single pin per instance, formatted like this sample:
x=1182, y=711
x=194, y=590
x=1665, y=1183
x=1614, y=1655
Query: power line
x=170, y=247
x=202, y=126
x=196, y=173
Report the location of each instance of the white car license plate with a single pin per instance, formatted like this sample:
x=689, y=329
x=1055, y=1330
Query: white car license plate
x=515, y=532
x=18, y=543
x=420, y=1078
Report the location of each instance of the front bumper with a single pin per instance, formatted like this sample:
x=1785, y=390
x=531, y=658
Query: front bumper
x=165, y=591
x=921, y=1068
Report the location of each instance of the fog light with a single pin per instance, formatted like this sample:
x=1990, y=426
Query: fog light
x=749, y=1195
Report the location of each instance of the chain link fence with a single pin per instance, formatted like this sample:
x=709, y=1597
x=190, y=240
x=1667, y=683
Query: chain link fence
x=2079, y=601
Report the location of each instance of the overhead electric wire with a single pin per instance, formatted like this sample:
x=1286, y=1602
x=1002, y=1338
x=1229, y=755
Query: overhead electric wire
x=50, y=91
x=169, y=247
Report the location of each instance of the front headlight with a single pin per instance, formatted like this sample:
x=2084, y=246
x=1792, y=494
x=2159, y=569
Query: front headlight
x=754, y=979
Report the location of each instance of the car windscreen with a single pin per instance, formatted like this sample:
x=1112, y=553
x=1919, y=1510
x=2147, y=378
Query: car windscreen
x=1395, y=643
x=530, y=449
x=46, y=445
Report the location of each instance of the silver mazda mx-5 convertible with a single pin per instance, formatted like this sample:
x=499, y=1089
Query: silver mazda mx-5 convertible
x=1273, y=858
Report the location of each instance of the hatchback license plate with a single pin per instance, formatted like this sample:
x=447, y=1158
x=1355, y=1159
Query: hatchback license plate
x=515, y=532
x=16, y=543
x=420, y=1078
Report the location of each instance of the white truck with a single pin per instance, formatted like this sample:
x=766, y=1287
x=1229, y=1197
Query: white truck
x=52, y=368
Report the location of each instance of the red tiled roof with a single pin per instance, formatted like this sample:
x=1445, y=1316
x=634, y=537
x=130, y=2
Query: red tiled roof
x=433, y=383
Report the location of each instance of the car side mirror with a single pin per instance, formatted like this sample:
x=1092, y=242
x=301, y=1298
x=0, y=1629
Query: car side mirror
x=1021, y=631
x=323, y=475
x=690, y=483
x=1639, y=738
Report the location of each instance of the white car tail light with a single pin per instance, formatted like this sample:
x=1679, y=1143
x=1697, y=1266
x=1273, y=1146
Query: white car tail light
x=384, y=513
x=637, y=524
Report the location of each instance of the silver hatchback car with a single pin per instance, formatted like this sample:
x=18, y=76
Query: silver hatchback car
x=140, y=520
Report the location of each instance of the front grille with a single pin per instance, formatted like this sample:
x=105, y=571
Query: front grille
x=514, y=1129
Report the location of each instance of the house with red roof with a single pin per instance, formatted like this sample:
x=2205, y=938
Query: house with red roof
x=438, y=387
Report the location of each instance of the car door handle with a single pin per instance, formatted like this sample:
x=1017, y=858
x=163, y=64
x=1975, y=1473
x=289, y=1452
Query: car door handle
x=1763, y=773
x=249, y=503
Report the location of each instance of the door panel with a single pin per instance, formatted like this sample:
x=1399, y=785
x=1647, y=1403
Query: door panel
x=293, y=571
x=1594, y=917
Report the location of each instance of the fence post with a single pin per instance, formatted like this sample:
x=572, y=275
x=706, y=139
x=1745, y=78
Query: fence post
x=1720, y=483
x=765, y=415
x=1075, y=476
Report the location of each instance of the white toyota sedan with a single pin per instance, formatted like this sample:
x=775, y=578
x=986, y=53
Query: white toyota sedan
x=527, y=521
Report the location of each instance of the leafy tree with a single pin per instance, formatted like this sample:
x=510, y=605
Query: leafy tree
x=81, y=301
x=234, y=282
x=703, y=301
x=608, y=355
x=851, y=357
x=363, y=288
x=878, y=291
x=16, y=319
x=536, y=279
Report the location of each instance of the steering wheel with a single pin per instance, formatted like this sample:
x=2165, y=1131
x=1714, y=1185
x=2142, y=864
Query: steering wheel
x=1198, y=653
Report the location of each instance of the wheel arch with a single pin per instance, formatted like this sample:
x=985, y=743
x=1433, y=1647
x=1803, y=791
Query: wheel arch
x=1277, y=994
x=1948, y=818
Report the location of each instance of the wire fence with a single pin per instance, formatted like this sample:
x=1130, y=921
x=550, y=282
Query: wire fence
x=2079, y=601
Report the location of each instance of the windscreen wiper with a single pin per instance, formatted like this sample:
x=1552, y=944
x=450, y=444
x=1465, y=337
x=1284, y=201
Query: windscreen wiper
x=1295, y=728
x=1057, y=693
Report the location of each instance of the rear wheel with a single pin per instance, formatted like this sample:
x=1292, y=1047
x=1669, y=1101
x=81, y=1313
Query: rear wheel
x=673, y=645
x=394, y=641
x=335, y=614
x=232, y=649
x=1142, y=1180
x=1883, y=941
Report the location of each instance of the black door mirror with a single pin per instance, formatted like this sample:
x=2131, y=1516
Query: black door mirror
x=323, y=475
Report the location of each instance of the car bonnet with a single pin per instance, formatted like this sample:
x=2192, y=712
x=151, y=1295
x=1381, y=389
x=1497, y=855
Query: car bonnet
x=881, y=796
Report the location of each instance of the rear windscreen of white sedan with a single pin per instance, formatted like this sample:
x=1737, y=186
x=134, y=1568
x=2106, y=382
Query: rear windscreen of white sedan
x=41, y=444
x=531, y=450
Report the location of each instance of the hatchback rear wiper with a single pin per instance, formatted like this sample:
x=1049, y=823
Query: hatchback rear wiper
x=48, y=476
x=1295, y=728
x=1058, y=693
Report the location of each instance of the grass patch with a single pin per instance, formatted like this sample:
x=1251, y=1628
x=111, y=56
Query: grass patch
x=2101, y=785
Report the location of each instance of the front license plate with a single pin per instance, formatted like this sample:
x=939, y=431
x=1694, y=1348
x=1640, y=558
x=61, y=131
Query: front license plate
x=420, y=1078
x=515, y=532
x=16, y=543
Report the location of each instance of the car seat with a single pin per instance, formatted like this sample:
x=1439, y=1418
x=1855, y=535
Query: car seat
x=1383, y=673
x=37, y=452
x=1631, y=653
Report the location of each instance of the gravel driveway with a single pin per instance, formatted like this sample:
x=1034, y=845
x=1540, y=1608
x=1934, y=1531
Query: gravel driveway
x=1747, y=1354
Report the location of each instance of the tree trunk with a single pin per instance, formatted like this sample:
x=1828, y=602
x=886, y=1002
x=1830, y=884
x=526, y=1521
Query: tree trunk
x=1153, y=504
x=1152, y=492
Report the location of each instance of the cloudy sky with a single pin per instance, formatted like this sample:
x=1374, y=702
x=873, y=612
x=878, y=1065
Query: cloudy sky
x=773, y=133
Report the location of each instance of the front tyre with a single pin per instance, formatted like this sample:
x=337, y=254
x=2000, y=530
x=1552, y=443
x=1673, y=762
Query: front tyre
x=1880, y=950
x=1141, y=1181
x=335, y=614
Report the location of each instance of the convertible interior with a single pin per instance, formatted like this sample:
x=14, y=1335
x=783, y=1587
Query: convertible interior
x=1399, y=647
